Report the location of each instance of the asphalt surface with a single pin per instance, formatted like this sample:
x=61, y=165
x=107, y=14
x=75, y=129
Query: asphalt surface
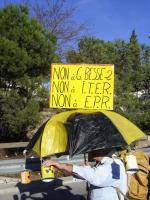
x=39, y=190
x=60, y=189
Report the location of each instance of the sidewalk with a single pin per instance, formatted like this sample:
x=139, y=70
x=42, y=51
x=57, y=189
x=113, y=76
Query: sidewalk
x=55, y=190
x=12, y=185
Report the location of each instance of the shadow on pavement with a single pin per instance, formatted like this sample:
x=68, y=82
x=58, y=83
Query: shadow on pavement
x=39, y=190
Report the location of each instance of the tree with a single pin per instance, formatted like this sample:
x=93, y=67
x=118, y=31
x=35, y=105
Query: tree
x=134, y=51
x=134, y=48
x=58, y=19
x=130, y=75
x=145, y=62
x=145, y=85
x=92, y=50
x=26, y=51
x=122, y=63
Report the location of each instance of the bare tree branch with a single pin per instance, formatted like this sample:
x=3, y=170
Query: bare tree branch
x=58, y=19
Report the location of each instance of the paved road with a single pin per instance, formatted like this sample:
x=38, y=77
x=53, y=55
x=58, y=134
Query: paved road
x=39, y=190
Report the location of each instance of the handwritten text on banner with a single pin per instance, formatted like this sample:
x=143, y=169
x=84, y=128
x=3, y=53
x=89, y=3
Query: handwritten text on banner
x=86, y=86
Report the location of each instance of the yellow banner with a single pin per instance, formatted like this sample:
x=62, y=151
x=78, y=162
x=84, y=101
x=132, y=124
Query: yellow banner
x=86, y=86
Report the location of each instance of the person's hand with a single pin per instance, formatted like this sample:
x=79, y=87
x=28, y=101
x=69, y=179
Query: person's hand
x=60, y=166
x=49, y=162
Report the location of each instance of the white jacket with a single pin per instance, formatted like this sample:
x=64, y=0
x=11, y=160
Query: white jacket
x=102, y=179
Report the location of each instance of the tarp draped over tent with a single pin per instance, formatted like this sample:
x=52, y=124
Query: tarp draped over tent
x=91, y=132
x=80, y=131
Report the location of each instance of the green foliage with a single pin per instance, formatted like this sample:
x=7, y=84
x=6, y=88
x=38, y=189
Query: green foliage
x=122, y=66
x=92, y=50
x=28, y=36
x=134, y=48
x=26, y=51
x=17, y=115
x=132, y=74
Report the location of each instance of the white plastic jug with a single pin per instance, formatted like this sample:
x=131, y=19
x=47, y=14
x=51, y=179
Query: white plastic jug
x=131, y=163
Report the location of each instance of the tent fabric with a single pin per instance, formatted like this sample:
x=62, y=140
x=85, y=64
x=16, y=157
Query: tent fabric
x=93, y=131
x=129, y=131
x=55, y=138
x=37, y=146
x=36, y=140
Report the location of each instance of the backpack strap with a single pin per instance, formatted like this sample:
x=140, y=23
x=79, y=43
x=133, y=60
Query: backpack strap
x=119, y=193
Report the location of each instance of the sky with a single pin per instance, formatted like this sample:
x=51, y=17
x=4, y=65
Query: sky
x=114, y=19
x=111, y=19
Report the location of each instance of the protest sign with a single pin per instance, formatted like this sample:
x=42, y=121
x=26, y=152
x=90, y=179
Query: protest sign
x=85, y=86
